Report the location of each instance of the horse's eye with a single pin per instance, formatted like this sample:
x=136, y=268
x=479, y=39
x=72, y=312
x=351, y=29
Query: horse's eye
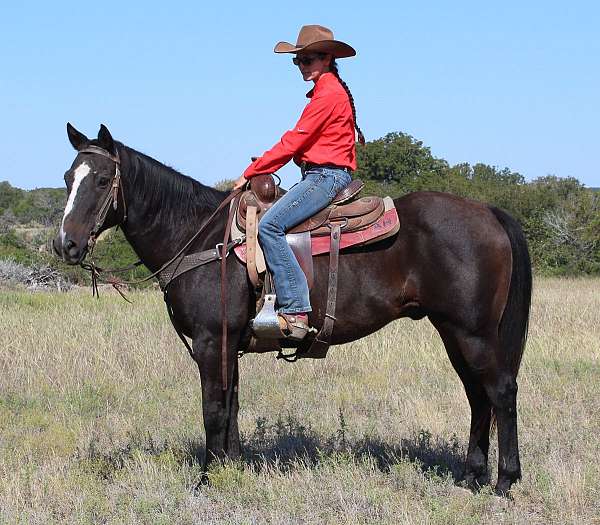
x=103, y=182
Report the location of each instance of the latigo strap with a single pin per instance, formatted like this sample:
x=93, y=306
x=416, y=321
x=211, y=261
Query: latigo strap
x=320, y=345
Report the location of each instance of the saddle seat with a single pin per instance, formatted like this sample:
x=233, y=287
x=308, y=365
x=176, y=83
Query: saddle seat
x=353, y=213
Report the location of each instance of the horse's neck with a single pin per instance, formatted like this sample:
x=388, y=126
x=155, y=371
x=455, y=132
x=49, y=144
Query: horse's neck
x=157, y=233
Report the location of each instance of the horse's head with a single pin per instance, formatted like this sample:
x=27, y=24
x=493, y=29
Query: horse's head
x=95, y=201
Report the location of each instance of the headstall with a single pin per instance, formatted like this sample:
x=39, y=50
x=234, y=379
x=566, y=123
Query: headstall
x=112, y=197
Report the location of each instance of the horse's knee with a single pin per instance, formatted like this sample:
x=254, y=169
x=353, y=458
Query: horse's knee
x=215, y=419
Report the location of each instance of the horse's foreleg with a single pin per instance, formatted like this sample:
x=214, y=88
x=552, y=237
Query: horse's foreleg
x=219, y=407
x=233, y=434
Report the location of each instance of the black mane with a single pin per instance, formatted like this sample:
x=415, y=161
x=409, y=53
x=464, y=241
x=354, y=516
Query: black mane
x=163, y=188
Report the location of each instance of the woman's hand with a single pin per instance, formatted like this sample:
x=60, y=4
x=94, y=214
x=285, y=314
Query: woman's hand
x=240, y=182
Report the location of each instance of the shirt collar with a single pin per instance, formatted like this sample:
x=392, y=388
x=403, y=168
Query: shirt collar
x=324, y=79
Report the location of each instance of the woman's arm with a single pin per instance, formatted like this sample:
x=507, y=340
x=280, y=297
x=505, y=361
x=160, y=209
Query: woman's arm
x=311, y=122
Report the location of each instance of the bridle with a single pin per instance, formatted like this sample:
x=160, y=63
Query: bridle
x=222, y=249
x=112, y=196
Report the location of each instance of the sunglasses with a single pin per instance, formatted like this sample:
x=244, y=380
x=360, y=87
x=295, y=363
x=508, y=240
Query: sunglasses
x=306, y=60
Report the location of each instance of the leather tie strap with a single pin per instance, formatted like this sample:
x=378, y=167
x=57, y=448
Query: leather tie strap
x=318, y=348
x=251, y=239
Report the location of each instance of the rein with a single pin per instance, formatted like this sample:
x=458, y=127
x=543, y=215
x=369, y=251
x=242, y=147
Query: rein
x=112, y=198
x=220, y=252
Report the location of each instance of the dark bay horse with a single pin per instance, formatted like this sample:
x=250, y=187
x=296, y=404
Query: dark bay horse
x=463, y=264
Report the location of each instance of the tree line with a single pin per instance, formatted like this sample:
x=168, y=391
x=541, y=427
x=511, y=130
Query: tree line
x=560, y=216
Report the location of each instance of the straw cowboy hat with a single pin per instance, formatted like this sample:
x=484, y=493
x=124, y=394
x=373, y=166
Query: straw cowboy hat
x=317, y=39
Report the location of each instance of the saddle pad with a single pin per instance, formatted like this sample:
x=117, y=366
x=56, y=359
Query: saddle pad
x=387, y=225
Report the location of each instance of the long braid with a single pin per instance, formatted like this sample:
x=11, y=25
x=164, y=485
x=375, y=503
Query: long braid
x=334, y=69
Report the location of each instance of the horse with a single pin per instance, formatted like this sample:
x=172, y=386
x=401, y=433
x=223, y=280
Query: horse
x=462, y=264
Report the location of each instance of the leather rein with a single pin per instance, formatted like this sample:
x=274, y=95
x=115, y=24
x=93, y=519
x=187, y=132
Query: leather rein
x=220, y=252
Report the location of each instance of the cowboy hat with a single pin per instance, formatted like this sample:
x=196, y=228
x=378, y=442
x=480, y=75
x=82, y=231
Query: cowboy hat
x=318, y=39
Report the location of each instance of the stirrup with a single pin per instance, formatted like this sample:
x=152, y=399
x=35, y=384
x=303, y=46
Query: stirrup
x=268, y=323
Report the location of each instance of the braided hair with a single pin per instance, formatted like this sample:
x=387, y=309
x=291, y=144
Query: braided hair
x=333, y=67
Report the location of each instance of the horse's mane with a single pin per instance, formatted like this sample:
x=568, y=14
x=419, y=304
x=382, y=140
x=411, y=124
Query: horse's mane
x=165, y=190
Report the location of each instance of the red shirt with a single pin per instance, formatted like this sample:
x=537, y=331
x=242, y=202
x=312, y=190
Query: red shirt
x=323, y=135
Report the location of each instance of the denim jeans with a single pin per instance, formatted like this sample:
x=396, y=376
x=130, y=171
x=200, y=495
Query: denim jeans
x=314, y=192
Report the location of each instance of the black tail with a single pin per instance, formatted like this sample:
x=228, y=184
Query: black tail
x=515, y=320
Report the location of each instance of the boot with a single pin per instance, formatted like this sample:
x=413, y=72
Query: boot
x=293, y=326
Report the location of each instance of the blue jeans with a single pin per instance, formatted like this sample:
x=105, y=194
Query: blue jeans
x=314, y=192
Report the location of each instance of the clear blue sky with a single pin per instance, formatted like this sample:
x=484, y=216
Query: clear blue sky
x=197, y=86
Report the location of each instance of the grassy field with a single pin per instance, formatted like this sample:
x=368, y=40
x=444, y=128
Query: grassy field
x=100, y=422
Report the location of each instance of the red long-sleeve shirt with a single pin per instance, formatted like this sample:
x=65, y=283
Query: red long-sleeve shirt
x=323, y=135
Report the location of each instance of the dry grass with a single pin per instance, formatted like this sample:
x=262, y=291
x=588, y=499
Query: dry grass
x=100, y=422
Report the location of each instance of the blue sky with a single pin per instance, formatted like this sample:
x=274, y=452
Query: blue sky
x=510, y=84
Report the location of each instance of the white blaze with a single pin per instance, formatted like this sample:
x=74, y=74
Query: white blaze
x=80, y=173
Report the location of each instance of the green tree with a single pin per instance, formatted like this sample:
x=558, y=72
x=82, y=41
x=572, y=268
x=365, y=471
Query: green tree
x=399, y=158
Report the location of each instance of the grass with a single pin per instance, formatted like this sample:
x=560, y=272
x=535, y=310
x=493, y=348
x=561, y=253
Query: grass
x=100, y=422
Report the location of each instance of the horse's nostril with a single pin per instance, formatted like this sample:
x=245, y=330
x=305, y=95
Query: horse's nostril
x=69, y=244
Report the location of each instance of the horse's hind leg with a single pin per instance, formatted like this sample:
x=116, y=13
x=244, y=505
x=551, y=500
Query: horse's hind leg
x=485, y=362
x=476, y=464
x=502, y=391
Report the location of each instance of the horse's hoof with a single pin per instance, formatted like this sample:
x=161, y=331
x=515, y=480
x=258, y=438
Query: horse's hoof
x=502, y=489
x=475, y=482
x=203, y=483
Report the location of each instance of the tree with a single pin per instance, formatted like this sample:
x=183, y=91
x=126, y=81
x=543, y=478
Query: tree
x=224, y=184
x=399, y=158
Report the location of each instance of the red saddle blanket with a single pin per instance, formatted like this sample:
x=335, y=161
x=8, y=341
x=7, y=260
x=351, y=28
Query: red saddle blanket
x=388, y=224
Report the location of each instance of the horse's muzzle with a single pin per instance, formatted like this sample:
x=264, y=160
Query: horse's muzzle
x=69, y=250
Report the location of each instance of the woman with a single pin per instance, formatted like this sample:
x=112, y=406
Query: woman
x=323, y=144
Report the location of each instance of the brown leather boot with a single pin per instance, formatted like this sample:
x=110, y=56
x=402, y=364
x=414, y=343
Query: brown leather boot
x=293, y=326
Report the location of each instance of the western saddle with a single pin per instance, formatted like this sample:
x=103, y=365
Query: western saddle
x=347, y=214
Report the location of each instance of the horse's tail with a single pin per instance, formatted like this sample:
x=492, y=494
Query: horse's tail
x=515, y=320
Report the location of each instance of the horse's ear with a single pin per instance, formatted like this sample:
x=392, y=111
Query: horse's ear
x=105, y=140
x=77, y=139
